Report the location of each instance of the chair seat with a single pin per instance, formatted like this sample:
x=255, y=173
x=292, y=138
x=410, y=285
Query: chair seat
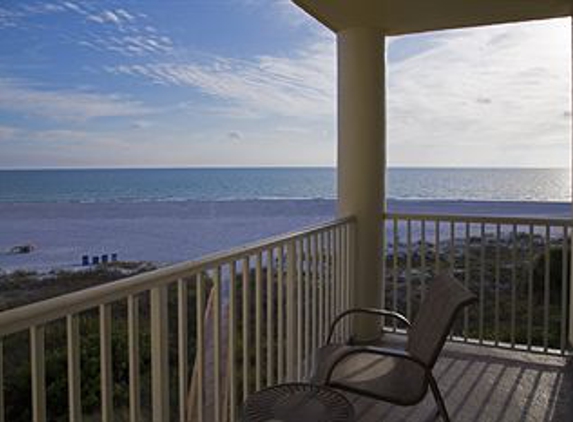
x=385, y=378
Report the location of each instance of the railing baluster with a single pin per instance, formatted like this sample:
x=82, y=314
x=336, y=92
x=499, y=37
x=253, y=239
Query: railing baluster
x=280, y=316
x=347, y=278
x=395, y=270
x=564, y=283
x=530, y=288
x=437, y=247
x=299, y=308
x=482, y=283
x=38, y=363
x=232, y=328
x=333, y=275
x=327, y=280
x=546, y=291
x=200, y=327
x=291, y=312
x=159, y=355
x=452, y=255
x=133, y=341
x=315, y=310
x=270, y=318
x=307, y=314
x=74, y=374
x=513, y=284
x=423, y=269
x=183, y=352
x=258, y=321
x=321, y=319
x=337, y=280
x=105, y=336
x=246, y=326
x=497, y=282
x=384, y=274
x=452, y=246
x=409, y=268
x=2, y=405
x=217, y=343
x=467, y=276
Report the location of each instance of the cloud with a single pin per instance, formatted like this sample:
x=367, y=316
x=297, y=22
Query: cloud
x=69, y=105
x=467, y=96
x=8, y=133
x=301, y=86
x=117, y=30
x=477, y=92
x=117, y=17
x=140, y=124
x=8, y=18
x=285, y=10
x=130, y=45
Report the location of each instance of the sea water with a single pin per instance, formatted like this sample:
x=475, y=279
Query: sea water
x=227, y=184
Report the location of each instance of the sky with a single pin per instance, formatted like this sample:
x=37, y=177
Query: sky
x=178, y=83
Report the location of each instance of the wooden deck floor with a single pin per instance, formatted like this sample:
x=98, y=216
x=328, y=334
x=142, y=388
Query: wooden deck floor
x=486, y=384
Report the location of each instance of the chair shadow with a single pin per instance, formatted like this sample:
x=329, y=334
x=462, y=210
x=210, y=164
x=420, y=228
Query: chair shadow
x=490, y=385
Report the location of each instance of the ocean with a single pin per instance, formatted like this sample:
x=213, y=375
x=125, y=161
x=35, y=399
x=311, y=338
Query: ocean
x=236, y=184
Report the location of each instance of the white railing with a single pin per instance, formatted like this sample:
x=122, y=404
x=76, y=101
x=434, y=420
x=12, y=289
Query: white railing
x=518, y=268
x=187, y=342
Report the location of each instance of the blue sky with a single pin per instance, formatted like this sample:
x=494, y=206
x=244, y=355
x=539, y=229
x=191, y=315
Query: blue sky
x=252, y=82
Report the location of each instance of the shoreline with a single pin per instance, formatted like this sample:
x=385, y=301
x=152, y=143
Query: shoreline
x=169, y=232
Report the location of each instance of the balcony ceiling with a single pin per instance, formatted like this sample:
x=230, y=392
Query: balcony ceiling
x=398, y=17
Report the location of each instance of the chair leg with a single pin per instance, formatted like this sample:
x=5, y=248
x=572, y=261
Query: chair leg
x=442, y=411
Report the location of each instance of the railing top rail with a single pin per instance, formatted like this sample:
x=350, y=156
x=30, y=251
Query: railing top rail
x=469, y=218
x=23, y=317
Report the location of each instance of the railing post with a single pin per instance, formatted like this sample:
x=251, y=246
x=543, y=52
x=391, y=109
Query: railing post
x=291, y=312
x=74, y=374
x=37, y=358
x=159, y=355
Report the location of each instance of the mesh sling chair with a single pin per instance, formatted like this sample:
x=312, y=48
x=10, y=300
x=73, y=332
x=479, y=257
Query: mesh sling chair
x=398, y=376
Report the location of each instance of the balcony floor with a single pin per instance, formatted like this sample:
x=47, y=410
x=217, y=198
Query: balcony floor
x=486, y=384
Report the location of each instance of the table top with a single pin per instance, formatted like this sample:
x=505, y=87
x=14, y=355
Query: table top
x=297, y=402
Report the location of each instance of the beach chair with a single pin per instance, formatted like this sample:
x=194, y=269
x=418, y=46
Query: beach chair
x=399, y=376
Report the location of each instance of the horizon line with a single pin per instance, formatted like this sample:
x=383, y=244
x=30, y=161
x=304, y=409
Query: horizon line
x=270, y=167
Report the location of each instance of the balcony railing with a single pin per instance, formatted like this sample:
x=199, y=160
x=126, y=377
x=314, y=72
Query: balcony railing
x=187, y=342
x=192, y=341
x=518, y=267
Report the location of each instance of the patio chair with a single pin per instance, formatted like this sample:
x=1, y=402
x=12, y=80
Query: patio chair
x=400, y=376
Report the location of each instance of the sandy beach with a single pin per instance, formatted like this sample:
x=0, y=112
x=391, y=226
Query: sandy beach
x=167, y=232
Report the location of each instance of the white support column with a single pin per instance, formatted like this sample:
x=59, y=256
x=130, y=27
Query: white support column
x=362, y=158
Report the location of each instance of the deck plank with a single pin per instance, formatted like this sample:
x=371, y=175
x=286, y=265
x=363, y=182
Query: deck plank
x=487, y=384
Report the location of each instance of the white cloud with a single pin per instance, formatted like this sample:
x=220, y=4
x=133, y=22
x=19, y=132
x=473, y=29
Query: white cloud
x=76, y=106
x=113, y=29
x=117, y=17
x=8, y=133
x=130, y=45
x=489, y=96
x=301, y=86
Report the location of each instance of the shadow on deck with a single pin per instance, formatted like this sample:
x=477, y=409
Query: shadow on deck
x=486, y=384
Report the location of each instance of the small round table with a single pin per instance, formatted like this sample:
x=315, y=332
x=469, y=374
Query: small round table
x=297, y=402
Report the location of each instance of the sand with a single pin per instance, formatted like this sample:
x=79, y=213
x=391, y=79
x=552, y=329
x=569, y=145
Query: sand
x=168, y=232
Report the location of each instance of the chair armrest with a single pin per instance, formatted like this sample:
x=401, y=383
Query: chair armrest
x=381, y=351
x=367, y=311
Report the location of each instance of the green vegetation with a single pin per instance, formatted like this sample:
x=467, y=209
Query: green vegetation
x=516, y=270
x=17, y=370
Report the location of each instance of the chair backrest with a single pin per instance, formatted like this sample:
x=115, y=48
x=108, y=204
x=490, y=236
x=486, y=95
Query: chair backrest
x=430, y=329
